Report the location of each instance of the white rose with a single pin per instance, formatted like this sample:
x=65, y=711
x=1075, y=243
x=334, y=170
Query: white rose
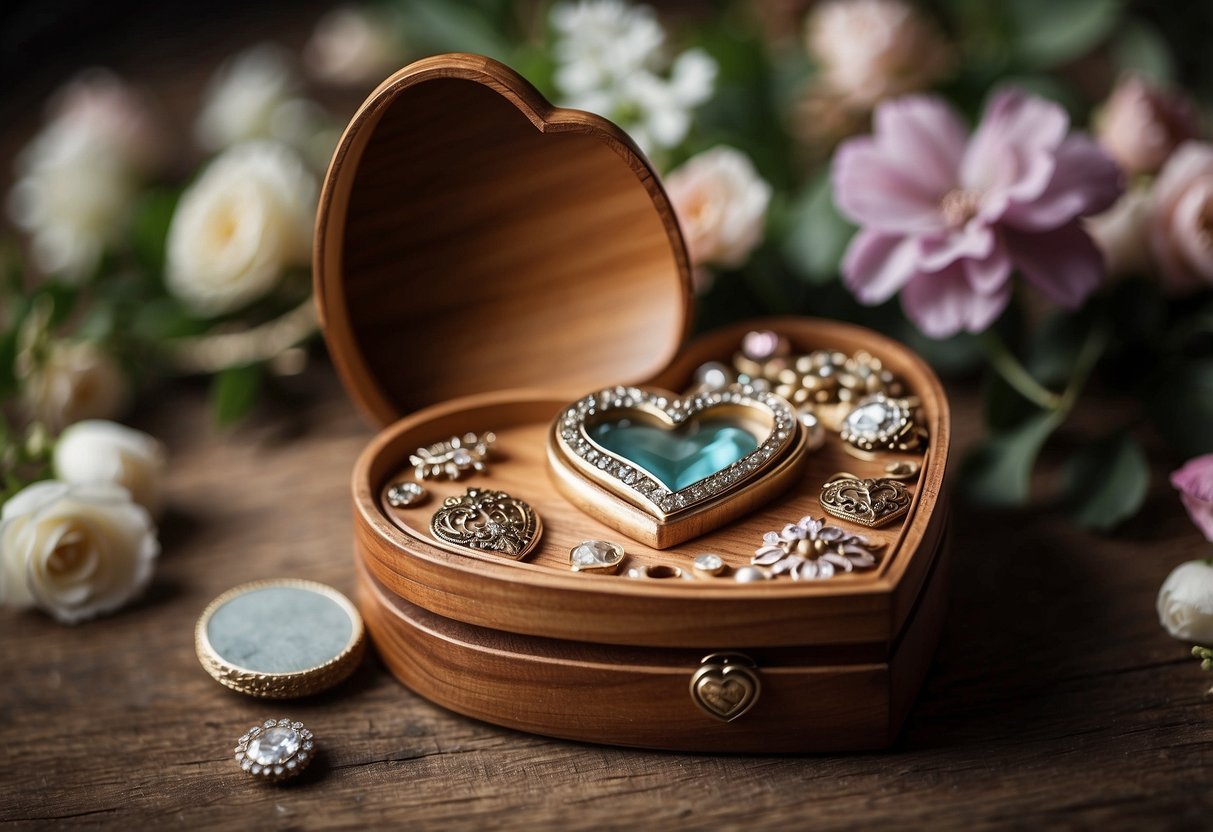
x=78, y=380
x=96, y=451
x=77, y=180
x=869, y=50
x=352, y=45
x=721, y=203
x=1185, y=602
x=245, y=220
x=242, y=96
x=75, y=551
x=73, y=195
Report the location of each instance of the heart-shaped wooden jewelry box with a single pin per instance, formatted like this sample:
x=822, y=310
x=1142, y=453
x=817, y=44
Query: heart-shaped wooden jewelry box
x=483, y=260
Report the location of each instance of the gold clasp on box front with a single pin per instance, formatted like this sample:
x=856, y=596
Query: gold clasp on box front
x=725, y=685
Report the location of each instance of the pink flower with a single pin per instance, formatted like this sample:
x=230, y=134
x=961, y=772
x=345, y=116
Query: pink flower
x=946, y=216
x=1181, y=218
x=1141, y=125
x=1195, y=481
x=869, y=50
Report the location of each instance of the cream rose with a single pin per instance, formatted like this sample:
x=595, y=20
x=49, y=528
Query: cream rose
x=1182, y=212
x=78, y=380
x=243, y=95
x=1185, y=602
x=352, y=45
x=78, y=179
x=869, y=50
x=97, y=451
x=245, y=220
x=75, y=551
x=721, y=203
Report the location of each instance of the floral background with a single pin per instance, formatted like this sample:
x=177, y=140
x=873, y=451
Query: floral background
x=1021, y=191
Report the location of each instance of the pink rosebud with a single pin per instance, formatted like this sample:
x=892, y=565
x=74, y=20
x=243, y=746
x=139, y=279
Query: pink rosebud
x=1182, y=218
x=1195, y=482
x=1141, y=125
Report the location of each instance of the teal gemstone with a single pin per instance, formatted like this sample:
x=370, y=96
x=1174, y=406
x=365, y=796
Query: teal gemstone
x=676, y=457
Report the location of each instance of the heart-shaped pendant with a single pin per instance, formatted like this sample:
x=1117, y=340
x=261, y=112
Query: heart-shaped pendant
x=488, y=521
x=868, y=502
x=662, y=469
x=725, y=686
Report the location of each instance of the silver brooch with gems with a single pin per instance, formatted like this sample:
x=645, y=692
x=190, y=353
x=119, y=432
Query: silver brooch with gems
x=275, y=750
x=405, y=494
x=810, y=550
x=882, y=423
x=452, y=459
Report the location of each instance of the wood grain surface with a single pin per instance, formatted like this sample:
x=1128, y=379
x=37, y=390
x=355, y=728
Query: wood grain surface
x=1055, y=700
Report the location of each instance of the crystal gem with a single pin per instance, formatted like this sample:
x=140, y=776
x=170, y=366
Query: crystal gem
x=712, y=376
x=274, y=746
x=595, y=555
x=763, y=344
x=404, y=494
x=874, y=418
x=749, y=575
x=708, y=563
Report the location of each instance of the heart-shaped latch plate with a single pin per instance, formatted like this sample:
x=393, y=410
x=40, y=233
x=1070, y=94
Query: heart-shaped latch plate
x=626, y=496
x=725, y=686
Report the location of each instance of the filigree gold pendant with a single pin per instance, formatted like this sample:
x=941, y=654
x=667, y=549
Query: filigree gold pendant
x=663, y=469
x=868, y=502
x=488, y=521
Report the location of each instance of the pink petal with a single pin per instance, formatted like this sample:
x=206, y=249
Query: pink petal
x=1085, y=181
x=945, y=303
x=1201, y=513
x=877, y=265
x=989, y=275
x=1189, y=226
x=974, y=240
x=1064, y=264
x=1011, y=157
x=1013, y=118
x=925, y=137
x=1195, y=478
x=879, y=192
x=1190, y=159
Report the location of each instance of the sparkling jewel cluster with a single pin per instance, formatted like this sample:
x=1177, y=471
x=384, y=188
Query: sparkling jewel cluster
x=453, y=458
x=679, y=410
x=275, y=749
x=811, y=550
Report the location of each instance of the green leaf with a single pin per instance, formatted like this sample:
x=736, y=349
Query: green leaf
x=998, y=472
x=234, y=392
x=1105, y=483
x=817, y=235
x=1048, y=32
x=1004, y=407
x=149, y=232
x=1139, y=48
x=454, y=27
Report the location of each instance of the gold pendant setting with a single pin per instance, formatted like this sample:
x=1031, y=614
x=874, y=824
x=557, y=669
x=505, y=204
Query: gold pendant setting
x=668, y=479
x=868, y=502
x=488, y=521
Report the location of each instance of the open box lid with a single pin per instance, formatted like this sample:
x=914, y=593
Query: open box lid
x=471, y=237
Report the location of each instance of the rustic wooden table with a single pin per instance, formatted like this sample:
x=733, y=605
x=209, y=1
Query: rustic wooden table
x=1055, y=698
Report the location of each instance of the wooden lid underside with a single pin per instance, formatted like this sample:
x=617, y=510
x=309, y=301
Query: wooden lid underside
x=472, y=238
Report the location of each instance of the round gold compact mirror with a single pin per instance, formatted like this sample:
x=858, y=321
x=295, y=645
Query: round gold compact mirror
x=280, y=639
